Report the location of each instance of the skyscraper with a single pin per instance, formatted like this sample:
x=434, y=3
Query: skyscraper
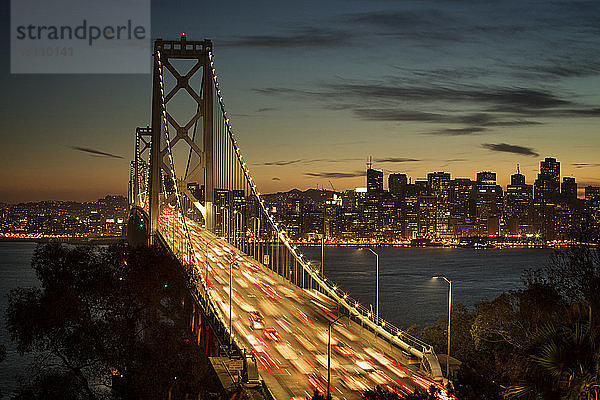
x=222, y=209
x=374, y=180
x=592, y=193
x=592, y=199
x=518, y=206
x=439, y=184
x=547, y=184
x=488, y=197
x=427, y=216
x=568, y=189
x=397, y=185
x=410, y=211
x=462, y=198
x=295, y=217
x=546, y=196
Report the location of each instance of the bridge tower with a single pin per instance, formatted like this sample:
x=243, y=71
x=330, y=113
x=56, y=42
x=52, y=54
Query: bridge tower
x=166, y=54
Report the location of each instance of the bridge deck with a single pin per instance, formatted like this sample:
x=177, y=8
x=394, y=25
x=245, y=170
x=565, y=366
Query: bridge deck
x=291, y=343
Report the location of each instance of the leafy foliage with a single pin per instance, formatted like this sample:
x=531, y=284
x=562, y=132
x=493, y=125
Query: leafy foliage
x=540, y=342
x=381, y=393
x=318, y=396
x=109, y=323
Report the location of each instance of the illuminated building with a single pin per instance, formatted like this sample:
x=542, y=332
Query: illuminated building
x=410, y=210
x=568, y=189
x=547, y=185
x=439, y=184
x=518, y=202
x=546, y=196
x=397, y=185
x=488, y=200
x=462, y=199
x=374, y=180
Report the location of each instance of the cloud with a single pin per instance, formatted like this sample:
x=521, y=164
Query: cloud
x=517, y=122
x=496, y=98
x=335, y=175
x=394, y=114
x=309, y=161
x=514, y=96
x=275, y=179
x=428, y=27
x=584, y=165
x=265, y=109
x=444, y=74
x=574, y=65
x=386, y=100
x=510, y=148
x=94, y=151
x=395, y=160
x=391, y=114
x=309, y=37
x=458, y=131
x=282, y=162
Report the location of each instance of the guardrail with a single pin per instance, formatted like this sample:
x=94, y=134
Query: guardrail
x=393, y=334
x=204, y=297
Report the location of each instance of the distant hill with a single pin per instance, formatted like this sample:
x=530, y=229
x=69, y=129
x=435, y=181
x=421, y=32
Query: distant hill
x=309, y=196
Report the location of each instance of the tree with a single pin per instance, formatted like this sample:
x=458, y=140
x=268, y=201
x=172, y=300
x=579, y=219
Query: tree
x=563, y=361
x=107, y=315
x=318, y=396
x=381, y=393
x=575, y=274
x=2, y=357
x=539, y=342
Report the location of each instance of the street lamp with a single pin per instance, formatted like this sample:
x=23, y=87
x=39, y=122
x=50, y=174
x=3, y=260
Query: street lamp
x=323, y=255
x=254, y=223
x=329, y=356
x=235, y=229
x=449, y=315
x=377, y=286
x=230, y=296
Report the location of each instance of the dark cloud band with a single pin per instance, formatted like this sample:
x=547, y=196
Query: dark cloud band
x=94, y=151
x=511, y=148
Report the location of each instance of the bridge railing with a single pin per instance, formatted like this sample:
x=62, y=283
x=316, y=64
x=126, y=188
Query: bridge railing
x=362, y=312
x=202, y=293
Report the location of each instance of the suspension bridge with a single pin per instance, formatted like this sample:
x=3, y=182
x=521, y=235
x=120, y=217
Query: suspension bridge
x=259, y=303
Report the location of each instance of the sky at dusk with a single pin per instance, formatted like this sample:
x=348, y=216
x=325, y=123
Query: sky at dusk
x=313, y=88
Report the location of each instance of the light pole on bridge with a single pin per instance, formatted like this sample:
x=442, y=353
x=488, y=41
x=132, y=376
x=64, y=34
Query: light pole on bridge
x=254, y=224
x=323, y=254
x=329, y=356
x=376, y=286
x=230, y=304
x=449, y=315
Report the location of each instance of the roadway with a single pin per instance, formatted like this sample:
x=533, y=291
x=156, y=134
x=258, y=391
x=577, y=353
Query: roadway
x=289, y=335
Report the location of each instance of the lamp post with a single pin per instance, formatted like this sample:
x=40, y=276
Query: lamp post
x=449, y=315
x=377, y=286
x=329, y=356
x=235, y=229
x=323, y=255
x=230, y=296
x=254, y=219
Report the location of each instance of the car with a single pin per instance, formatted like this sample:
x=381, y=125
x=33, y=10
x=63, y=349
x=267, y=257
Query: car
x=257, y=320
x=272, y=334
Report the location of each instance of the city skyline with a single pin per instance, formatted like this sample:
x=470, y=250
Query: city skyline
x=360, y=178
x=314, y=89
